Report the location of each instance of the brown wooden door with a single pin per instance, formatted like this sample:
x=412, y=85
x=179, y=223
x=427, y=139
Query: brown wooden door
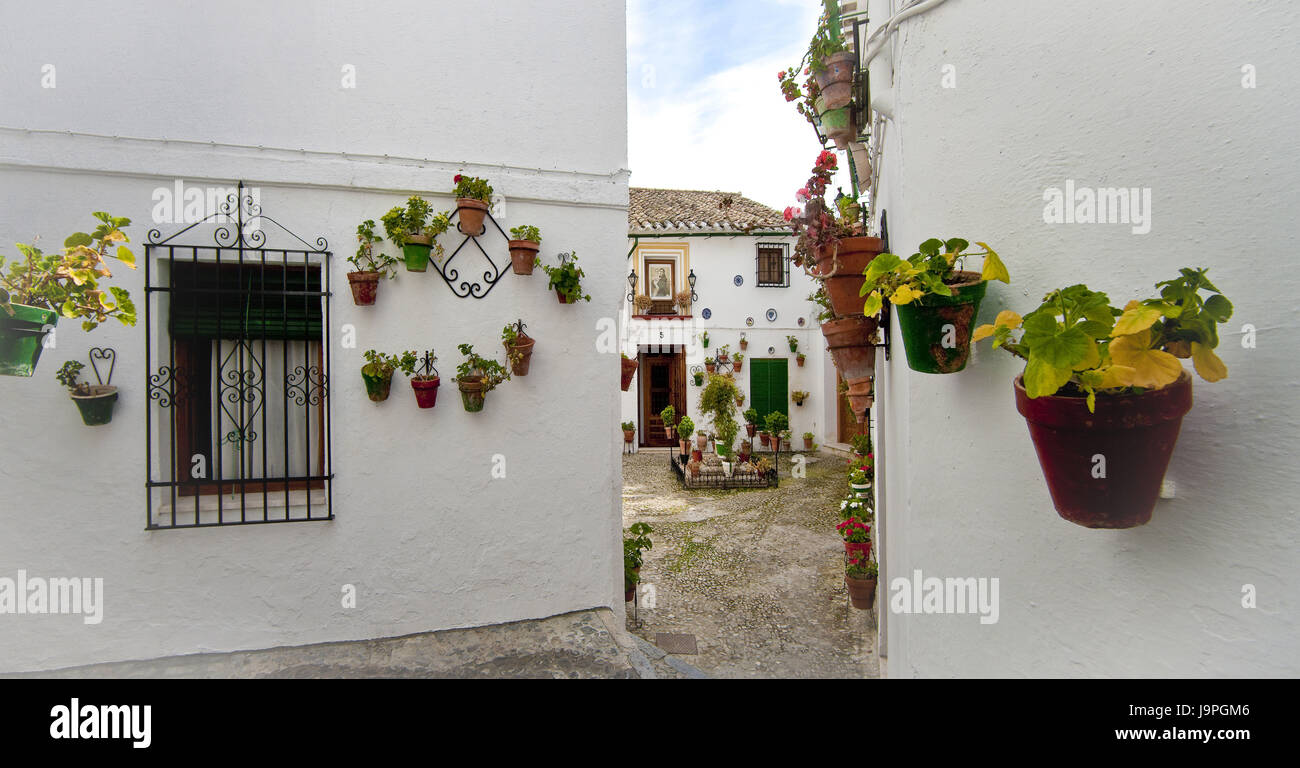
x=662, y=381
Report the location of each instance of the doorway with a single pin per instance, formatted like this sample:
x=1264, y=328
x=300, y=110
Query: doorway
x=662, y=382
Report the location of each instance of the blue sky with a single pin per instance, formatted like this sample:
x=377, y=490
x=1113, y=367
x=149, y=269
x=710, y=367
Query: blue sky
x=704, y=107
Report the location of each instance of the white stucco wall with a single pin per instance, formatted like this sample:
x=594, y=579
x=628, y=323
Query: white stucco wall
x=1109, y=94
x=716, y=261
x=429, y=539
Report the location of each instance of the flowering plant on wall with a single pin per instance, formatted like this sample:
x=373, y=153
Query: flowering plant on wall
x=854, y=531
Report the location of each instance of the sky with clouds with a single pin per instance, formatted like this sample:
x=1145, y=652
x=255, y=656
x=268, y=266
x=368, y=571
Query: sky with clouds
x=705, y=109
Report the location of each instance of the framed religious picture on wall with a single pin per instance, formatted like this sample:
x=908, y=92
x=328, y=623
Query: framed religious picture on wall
x=660, y=279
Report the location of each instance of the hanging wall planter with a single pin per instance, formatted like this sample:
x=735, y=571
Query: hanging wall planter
x=519, y=347
x=365, y=287
x=476, y=376
x=524, y=248
x=416, y=252
x=861, y=396
x=94, y=401
x=413, y=228
x=22, y=338
x=425, y=383
x=566, y=279
x=851, y=342
x=370, y=267
x=937, y=334
x=629, y=370
x=471, y=213
x=378, y=372
x=862, y=592
x=840, y=266
x=473, y=393
x=834, y=76
x=377, y=385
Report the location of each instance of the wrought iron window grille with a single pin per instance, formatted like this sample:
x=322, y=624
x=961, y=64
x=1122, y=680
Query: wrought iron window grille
x=237, y=340
x=772, y=265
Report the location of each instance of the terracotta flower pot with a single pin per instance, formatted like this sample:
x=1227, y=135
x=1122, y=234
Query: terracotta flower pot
x=426, y=391
x=739, y=364
x=751, y=429
x=836, y=80
x=685, y=446
x=629, y=593
x=807, y=443
x=471, y=213
x=701, y=441
x=862, y=548
x=563, y=299
x=723, y=358
x=744, y=344
x=628, y=434
x=711, y=367
x=841, y=269
x=669, y=432
x=377, y=387
x=365, y=285
x=97, y=407
x=22, y=337
x=860, y=396
x=1130, y=437
x=936, y=333
x=523, y=255
x=472, y=393
x=765, y=439
x=799, y=360
x=697, y=455
x=850, y=345
x=520, y=354
x=416, y=252
x=862, y=592
x=629, y=370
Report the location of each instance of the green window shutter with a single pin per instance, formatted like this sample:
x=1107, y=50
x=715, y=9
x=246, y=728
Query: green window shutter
x=768, y=382
x=251, y=301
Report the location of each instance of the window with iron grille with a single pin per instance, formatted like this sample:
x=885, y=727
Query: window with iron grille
x=773, y=265
x=238, y=377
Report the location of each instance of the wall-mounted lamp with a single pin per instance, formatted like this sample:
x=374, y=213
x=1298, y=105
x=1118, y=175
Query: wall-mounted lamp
x=631, y=281
x=691, y=279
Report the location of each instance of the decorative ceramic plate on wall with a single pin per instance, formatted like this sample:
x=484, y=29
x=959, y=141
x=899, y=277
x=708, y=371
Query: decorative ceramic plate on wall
x=749, y=321
x=706, y=313
x=738, y=280
x=771, y=315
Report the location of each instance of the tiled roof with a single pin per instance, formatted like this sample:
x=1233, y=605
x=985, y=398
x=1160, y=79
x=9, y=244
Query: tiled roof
x=687, y=210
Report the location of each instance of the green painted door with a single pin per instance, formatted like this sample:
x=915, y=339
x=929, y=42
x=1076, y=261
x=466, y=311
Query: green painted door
x=768, y=387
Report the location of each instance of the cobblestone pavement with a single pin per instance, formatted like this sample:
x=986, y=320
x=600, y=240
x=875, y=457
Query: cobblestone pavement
x=756, y=575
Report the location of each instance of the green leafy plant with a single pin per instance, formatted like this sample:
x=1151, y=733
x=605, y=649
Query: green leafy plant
x=382, y=365
x=477, y=368
x=861, y=567
x=798, y=396
x=1076, y=344
x=861, y=444
x=526, y=232
x=704, y=338
x=699, y=378
x=724, y=352
x=68, y=283
x=860, y=476
x=828, y=39
x=751, y=416
x=793, y=341
x=685, y=427
x=763, y=465
x=710, y=361
x=739, y=358
x=822, y=300
x=635, y=542
x=69, y=376
x=365, y=259
x=776, y=423
x=415, y=218
x=474, y=188
x=628, y=426
x=808, y=435
x=566, y=278
x=930, y=271
x=718, y=400
x=669, y=415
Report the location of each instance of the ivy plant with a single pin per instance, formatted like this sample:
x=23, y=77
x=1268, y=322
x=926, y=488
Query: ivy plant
x=929, y=272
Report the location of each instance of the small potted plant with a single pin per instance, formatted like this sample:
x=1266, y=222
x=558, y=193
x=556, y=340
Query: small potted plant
x=710, y=365
x=751, y=421
x=369, y=267
x=669, y=415
x=798, y=396
x=860, y=578
x=860, y=480
x=723, y=354
x=378, y=371
x=682, y=301
x=1104, y=391
x=704, y=339
x=738, y=362
x=698, y=376
x=701, y=440
x=636, y=542
x=40, y=288
x=643, y=304
x=473, y=196
x=936, y=300
x=629, y=370
x=566, y=279
x=744, y=344
x=629, y=431
x=799, y=358
x=765, y=439
x=740, y=399
x=525, y=243
x=684, y=429
x=95, y=401
x=808, y=441
x=426, y=382
x=694, y=465
x=777, y=423
x=793, y=342
x=764, y=467
x=519, y=347
x=413, y=228
x=856, y=532
x=476, y=376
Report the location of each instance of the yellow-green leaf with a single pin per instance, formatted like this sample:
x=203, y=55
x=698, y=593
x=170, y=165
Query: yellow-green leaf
x=1091, y=360
x=905, y=295
x=1152, y=368
x=1043, y=379
x=1008, y=319
x=125, y=256
x=994, y=269
x=982, y=332
x=1136, y=318
x=872, y=306
x=1208, y=364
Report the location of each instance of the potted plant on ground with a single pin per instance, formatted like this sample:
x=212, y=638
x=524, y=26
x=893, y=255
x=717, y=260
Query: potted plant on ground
x=751, y=421
x=629, y=370
x=519, y=347
x=566, y=279
x=526, y=242
x=378, y=371
x=718, y=400
x=473, y=196
x=798, y=396
x=684, y=429
x=668, y=415
x=636, y=542
x=765, y=438
x=860, y=480
x=701, y=440
x=425, y=383
x=808, y=441
x=40, y=288
x=476, y=376
x=95, y=401
x=777, y=423
x=856, y=532
x=1104, y=392
x=860, y=578
x=413, y=228
x=369, y=267
x=738, y=362
x=937, y=301
x=629, y=431
x=746, y=450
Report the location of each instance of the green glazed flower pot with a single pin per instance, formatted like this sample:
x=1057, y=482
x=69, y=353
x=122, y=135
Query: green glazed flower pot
x=377, y=386
x=472, y=394
x=416, y=254
x=936, y=334
x=97, y=407
x=21, y=338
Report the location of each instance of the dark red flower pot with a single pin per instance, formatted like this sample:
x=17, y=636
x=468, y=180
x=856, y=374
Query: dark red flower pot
x=563, y=299
x=629, y=370
x=426, y=391
x=1135, y=434
x=862, y=592
x=697, y=455
x=862, y=548
x=365, y=285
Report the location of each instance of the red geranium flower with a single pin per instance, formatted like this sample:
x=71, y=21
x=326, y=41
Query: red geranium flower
x=457, y=178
